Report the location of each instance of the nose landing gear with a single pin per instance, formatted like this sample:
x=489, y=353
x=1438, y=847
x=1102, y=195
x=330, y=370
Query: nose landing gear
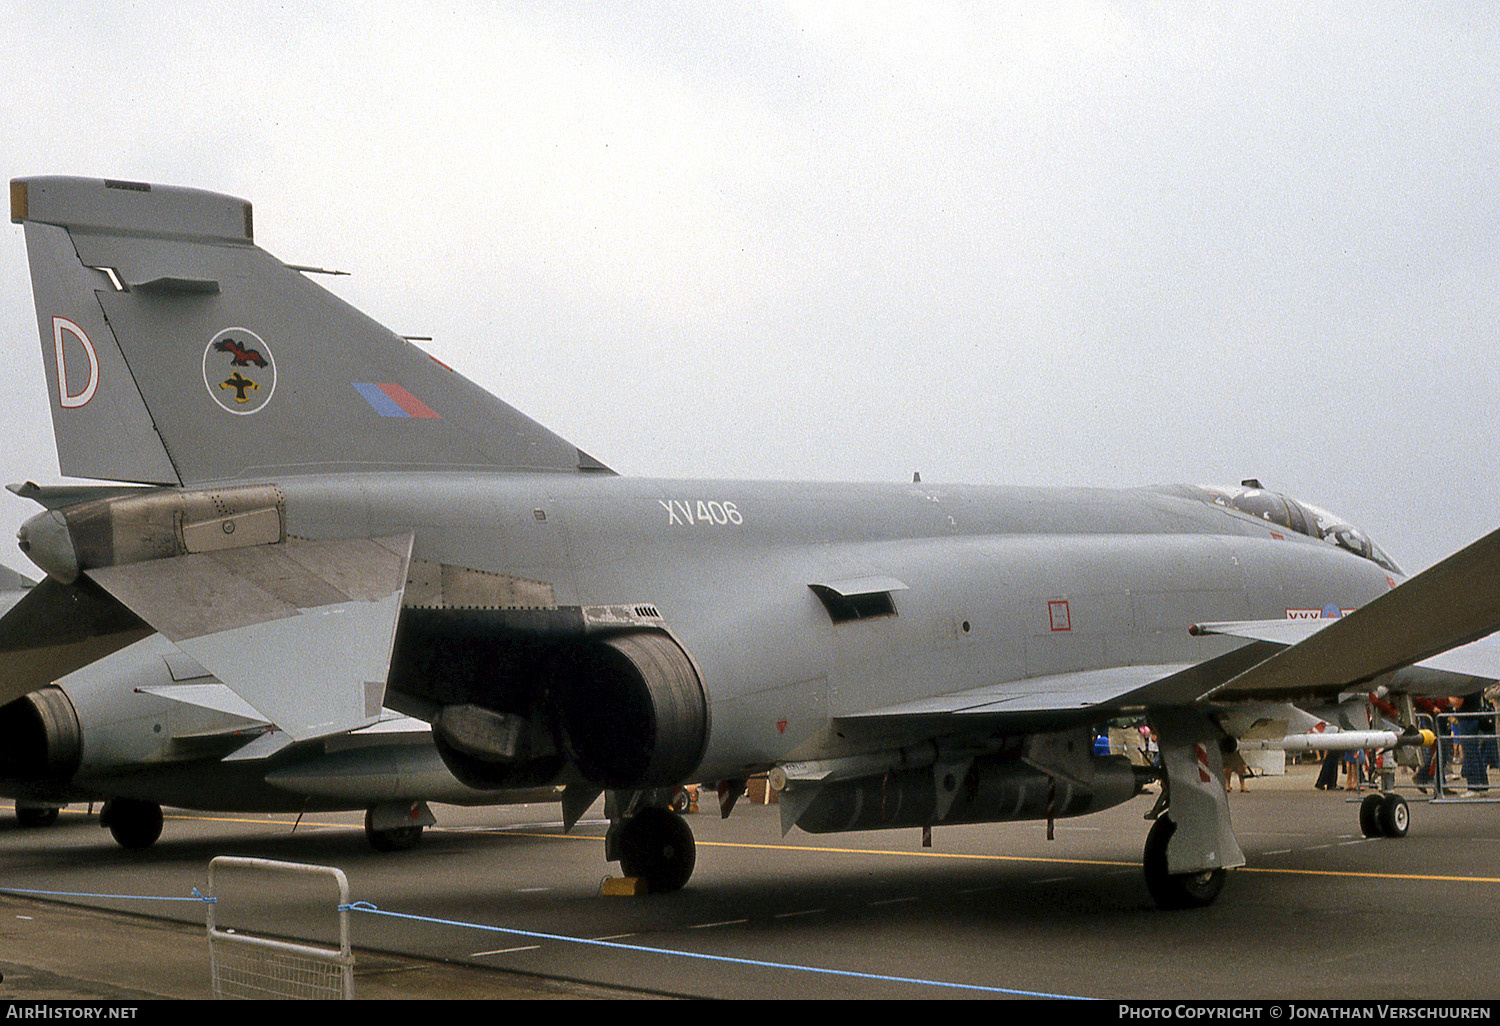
x=1384, y=815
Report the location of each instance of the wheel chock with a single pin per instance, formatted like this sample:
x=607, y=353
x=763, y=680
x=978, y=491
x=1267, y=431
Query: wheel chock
x=623, y=886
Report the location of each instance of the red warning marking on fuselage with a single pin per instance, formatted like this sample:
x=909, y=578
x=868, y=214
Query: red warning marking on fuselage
x=1060, y=616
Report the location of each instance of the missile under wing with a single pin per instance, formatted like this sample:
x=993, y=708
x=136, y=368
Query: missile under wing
x=312, y=493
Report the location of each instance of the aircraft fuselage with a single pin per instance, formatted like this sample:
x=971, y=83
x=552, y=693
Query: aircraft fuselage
x=988, y=585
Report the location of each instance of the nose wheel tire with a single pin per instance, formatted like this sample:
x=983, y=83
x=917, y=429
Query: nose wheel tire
x=1393, y=816
x=1384, y=815
x=657, y=846
x=1173, y=891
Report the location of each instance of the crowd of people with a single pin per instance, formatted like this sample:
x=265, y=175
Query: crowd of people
x=1466, y=727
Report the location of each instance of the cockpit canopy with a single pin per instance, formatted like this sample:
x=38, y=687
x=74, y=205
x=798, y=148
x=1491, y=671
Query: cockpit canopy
x=1285, y=511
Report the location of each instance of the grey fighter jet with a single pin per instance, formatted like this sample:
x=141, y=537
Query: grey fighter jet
x=330, y=522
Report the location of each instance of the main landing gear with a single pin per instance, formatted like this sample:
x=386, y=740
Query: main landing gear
x=653, y=843
x=1176, y=890
x=134, y=824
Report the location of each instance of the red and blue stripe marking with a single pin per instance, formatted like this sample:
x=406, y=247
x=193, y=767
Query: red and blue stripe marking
x=394, y=401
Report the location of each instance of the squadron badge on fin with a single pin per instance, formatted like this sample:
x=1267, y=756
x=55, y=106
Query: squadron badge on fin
x=239, y=370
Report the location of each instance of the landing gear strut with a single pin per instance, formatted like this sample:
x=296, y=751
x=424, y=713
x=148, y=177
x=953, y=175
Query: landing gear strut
x=655, y=844
x=1176, y=890
x=134, y=824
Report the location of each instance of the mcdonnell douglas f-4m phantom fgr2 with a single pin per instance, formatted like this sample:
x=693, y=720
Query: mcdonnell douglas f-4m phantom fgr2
x=330, y=522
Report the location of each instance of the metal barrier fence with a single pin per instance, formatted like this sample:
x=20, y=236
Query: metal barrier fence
x=252, y=965
x=1473, y=737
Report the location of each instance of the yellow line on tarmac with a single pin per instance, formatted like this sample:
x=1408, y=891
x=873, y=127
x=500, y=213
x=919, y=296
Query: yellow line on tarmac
x=200, y=817
x=1351, y=874
x=858, y=851
x=305, y=824
x=1429, y=877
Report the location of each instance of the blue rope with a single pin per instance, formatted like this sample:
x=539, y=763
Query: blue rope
x=368, y=907
x=365, y=906
x=197, y=895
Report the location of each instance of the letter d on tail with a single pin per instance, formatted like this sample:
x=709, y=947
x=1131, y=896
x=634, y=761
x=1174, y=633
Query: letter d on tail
x=68, y=400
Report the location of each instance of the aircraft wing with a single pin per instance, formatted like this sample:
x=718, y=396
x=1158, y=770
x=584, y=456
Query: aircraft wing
x=1451, y=604
x=1452, y=672
x=13, y=582
x=1085, y=696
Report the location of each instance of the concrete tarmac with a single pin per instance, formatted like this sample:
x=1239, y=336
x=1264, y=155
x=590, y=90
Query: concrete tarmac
x=55, y=952
x=1320, y=912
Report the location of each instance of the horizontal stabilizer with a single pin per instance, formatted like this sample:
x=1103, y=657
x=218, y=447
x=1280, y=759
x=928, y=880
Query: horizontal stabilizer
x=302, y=631
x=57, y=628
x=60, y=496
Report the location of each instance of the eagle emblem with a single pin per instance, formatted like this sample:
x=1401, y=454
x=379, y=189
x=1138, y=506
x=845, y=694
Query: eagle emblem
x=239, y=371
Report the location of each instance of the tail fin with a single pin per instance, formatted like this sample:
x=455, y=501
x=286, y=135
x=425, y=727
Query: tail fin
x=179, y=352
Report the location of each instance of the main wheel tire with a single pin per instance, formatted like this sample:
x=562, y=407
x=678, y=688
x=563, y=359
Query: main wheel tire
x=1369, y=816
x=36, y=815
x=1393, y=816
x=1173, y=891
x=394, y=839
x=657, y=846
x=134, y=824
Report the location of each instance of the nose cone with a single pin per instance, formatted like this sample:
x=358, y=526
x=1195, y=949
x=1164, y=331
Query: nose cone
x=47, y=543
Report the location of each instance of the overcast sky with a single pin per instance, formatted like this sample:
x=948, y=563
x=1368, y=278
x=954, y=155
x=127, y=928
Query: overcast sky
x=1087, y=243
